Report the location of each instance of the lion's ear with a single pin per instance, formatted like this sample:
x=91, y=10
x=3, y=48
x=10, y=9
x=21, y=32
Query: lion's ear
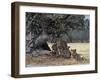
x=68, y=46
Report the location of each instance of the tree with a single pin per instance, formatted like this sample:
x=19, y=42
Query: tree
x=55, y=25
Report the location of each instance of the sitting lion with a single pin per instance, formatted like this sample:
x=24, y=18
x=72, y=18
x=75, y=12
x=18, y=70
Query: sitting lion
x=61, y=49
x=76, y=56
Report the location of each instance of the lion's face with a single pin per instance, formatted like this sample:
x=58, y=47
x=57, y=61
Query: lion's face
x=73, y=51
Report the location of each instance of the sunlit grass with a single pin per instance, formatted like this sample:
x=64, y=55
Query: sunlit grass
x=82, y=48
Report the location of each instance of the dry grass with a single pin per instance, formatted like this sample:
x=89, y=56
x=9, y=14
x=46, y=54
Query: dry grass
x=45, y=60
x=82, y=48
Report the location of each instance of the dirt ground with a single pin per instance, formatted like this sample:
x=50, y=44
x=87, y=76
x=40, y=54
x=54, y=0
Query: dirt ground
x=46, y=60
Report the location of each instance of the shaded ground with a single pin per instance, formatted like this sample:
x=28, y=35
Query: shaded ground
x=46, y=60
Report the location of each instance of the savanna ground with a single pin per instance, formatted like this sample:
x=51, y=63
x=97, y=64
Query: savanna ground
x=45, y=60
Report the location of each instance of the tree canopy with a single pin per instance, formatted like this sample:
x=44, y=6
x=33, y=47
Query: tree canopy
x=56, y=24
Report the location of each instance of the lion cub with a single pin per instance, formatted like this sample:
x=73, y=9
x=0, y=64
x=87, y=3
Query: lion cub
x=75, y=55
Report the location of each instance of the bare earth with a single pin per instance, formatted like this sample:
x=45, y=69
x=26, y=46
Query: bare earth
x=45, y=60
